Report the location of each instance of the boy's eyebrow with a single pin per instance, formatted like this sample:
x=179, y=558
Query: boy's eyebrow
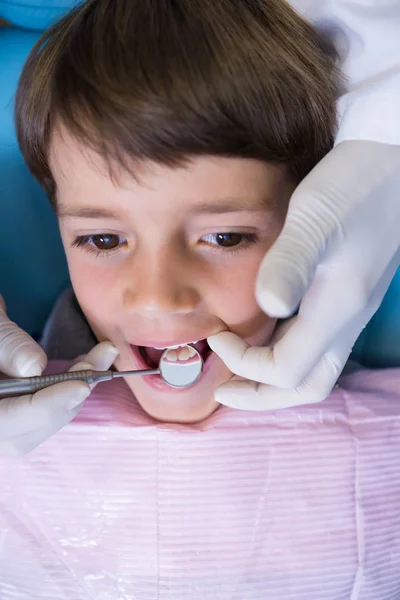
x=214, y=207
x=84, y=212
x=227, y=205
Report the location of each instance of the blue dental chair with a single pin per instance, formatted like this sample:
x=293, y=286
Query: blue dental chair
x=33, y=269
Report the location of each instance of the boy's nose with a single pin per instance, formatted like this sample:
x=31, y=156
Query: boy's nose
x=156, y=289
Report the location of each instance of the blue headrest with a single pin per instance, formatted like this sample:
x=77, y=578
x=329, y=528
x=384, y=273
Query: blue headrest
x=33, y=269
x=34, y=14
x=379, y=344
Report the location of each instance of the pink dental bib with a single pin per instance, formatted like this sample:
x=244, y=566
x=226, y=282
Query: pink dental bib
x=298, y=504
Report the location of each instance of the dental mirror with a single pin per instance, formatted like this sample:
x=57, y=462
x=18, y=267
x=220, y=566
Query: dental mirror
x=181, y=367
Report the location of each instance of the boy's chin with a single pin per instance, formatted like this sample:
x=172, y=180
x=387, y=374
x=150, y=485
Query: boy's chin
x=185, y=407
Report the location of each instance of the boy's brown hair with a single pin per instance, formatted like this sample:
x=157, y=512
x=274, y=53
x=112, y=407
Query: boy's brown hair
x=165, y=80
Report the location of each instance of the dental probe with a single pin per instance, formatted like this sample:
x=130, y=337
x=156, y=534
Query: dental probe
x=30, y=385
x=177, y=374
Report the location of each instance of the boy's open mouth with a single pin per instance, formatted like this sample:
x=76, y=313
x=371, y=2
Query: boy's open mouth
x=152, y=356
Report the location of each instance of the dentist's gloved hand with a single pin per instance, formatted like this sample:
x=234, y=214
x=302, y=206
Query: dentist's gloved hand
x=336, y=256
x=27, y=421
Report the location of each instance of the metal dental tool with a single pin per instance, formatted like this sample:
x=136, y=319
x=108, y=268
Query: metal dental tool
x=178, y=374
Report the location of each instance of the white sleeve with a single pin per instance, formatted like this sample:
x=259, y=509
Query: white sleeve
x=367, y=33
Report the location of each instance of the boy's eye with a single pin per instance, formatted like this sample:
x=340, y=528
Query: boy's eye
x=229, y=240
x=104, y=241
x=100, y=243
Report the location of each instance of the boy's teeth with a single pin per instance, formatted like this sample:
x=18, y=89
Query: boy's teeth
x=172, y=355
x=184, y=353
x=174, y=347
x=167, y=348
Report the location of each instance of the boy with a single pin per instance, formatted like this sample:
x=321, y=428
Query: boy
x=169, y=137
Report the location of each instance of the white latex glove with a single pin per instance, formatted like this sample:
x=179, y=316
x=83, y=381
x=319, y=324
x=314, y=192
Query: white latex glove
x=27, y=421
x=337, y=254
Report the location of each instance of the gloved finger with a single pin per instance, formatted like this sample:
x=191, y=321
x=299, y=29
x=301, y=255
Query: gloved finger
x=304, y=344
x=23, y=444
x=287, y=269
x=250, y=395
x=79, y=358
x=277, y=365
x=261, y=364
x=29, y=413
x=253, y=396
x=20, y=355
x=101, y=357
x=281, y=329
x=312, y=225
x=330, y=310
x=82, y=365
x=238, y=357
x=34, y=411
x=241, y=359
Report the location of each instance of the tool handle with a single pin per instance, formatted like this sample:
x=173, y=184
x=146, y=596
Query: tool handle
x=29, y=385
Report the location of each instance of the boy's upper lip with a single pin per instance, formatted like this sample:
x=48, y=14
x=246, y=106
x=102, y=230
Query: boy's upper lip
x=159, y=343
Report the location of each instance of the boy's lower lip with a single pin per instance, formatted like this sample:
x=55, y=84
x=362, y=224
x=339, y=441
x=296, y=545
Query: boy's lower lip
x=157, y=382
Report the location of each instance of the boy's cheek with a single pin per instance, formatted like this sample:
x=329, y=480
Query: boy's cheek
x=95, y=303
x=243, y=316
x=98, y=319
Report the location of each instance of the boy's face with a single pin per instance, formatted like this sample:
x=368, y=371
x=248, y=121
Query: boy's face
x=169, y=257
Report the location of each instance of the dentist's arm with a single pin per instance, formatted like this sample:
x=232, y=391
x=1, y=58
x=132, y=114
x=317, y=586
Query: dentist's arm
x=339, y=249
x=27, y=421
x=367, y=38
